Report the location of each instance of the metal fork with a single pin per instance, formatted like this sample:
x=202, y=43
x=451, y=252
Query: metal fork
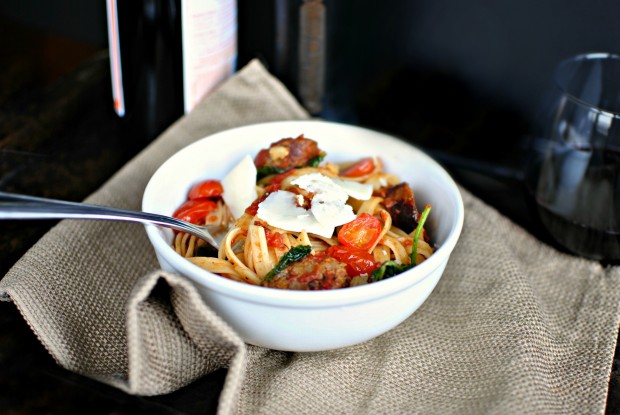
x=17, y=206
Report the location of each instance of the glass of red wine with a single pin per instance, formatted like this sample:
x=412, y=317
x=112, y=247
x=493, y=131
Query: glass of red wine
x=576, y=176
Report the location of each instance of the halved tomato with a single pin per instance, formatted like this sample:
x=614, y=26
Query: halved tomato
x=361, y=233
x=357, y=261
x=195, y=211
x=206, y=188
x=361, y=168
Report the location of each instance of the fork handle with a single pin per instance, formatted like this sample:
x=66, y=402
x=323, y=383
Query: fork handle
x=16, y=206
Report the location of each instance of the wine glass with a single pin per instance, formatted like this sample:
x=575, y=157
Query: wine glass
x=575, y=175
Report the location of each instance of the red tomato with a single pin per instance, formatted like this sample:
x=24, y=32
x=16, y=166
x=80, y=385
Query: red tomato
x=358, y=261
x=274, y=239
x=206, y=188
x=360, y=233
x=195, y=211
x=361, y=168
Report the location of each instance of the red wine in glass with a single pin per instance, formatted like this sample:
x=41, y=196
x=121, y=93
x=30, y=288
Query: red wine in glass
x=578, y=199
x=576, y=178
x=586, y=241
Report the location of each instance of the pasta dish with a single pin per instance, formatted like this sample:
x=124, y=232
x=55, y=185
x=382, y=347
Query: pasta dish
x=296, y=221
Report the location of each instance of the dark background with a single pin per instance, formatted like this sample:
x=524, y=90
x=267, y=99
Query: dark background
x=465, y=78
x=503, y=50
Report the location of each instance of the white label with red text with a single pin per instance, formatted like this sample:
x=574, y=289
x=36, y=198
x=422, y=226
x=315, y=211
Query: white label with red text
x=209, y=46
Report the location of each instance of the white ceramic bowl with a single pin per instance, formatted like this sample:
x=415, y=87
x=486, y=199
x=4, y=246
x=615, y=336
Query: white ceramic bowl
x=309, y=320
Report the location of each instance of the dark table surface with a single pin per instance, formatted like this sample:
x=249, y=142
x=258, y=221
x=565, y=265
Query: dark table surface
x=59, y=138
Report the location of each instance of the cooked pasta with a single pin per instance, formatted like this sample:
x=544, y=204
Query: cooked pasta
x=381, y=230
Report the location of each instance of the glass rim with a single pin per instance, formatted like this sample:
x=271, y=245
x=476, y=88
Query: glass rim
x=592, y=56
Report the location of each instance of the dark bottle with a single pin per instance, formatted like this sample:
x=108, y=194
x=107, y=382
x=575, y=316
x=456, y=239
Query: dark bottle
x=289, y=37
x=165, y=55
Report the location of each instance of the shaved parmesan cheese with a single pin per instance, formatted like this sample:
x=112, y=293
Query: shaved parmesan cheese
x=330, y=211
x=279, y=209
x=341, y=189
x=359, y=191
x=320, y=184
x=328, y=208
x=240, y=186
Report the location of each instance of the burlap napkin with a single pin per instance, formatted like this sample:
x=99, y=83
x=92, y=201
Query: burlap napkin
x=512, y=327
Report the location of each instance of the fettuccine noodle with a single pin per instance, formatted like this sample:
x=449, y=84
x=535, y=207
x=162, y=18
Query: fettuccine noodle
x=248, y=252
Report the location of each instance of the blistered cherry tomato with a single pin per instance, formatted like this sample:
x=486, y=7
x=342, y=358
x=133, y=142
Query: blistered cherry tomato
x=357, y=261
x=361, y=233
x=361, y=168
x=195, y=211
x=206, y=188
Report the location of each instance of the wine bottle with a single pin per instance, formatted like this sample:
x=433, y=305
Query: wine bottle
x=166, y=55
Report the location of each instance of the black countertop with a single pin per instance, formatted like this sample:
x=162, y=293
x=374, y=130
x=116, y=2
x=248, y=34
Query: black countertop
x=59, y=138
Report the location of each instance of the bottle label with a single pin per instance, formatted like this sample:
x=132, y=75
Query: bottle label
x=209, y=46
x=115, y=58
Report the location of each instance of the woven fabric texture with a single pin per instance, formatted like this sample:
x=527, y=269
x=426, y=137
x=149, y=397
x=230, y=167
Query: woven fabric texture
x=512, y=327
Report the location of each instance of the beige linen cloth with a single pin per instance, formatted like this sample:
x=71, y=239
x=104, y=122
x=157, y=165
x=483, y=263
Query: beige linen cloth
x=512, y=327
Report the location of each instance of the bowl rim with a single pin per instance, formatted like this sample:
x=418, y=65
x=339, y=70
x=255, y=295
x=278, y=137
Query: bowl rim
x=308, y=299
